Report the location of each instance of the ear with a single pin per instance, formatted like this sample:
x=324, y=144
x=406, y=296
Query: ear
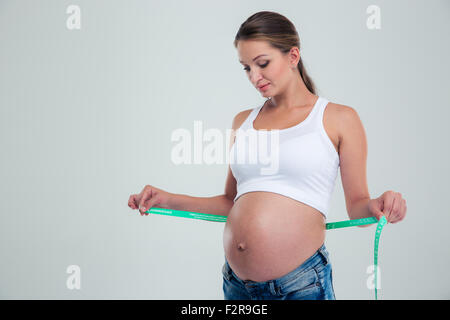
x=294, y=56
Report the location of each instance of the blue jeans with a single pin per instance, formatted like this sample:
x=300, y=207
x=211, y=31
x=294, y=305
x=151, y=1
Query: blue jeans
x=312, y=280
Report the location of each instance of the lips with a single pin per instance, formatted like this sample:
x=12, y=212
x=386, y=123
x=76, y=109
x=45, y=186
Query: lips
x=263, y=86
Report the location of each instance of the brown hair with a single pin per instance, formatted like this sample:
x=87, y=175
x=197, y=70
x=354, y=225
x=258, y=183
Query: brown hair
x=279, y=32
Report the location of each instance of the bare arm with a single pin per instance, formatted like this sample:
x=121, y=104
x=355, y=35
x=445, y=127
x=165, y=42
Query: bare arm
x=219, y=205
x=353, y=159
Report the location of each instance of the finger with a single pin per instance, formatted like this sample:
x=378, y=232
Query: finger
x=132, y=202
x=388, y=201
x=136, y=201
x=378, y=214
x=402, y=211
x=375, y=206
x=146, y=195
x=392, y=213
x=396, y=207
x=150, y=204
x=394, y=219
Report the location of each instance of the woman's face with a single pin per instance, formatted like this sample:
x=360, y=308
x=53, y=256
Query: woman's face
x=265, y=65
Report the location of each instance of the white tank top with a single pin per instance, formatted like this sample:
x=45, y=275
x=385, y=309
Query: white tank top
x=299, y=162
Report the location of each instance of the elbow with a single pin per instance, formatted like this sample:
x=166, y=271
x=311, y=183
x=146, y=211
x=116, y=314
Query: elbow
x=229, y=200
x=230, y=197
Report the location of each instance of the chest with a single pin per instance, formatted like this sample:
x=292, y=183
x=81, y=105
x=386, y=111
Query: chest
x=330, y=123
x=278, y=155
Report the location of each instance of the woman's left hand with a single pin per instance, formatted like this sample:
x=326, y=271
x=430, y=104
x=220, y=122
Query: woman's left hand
x=391, y=205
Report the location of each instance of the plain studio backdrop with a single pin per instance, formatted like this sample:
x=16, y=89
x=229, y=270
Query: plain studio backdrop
x=87, y=116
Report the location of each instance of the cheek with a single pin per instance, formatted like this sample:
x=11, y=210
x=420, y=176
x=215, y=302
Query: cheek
x=277, y=73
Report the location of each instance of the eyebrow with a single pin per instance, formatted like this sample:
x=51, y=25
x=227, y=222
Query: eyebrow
x=255, y=57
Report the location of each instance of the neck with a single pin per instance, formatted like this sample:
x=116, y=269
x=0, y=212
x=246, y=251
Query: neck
x=295, y=95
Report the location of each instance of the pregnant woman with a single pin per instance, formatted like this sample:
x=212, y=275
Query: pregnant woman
x=275, y=229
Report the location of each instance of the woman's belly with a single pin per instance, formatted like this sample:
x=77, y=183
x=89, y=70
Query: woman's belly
x=267, y=235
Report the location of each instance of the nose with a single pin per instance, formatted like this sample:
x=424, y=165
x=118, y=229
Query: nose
x=255, y=77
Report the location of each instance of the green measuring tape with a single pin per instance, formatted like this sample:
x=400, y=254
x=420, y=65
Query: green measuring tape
x=332, y=225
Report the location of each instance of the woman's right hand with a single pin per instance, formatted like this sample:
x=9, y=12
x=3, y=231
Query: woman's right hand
x=149, y=197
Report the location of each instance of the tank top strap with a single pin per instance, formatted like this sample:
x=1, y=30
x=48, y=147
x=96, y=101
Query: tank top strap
x=248, y=123
x=318, y=113
x=316, y=116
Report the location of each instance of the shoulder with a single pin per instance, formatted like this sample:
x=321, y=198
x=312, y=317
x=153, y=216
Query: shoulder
x=239, y=118
x=340, y=110
x=341, y=117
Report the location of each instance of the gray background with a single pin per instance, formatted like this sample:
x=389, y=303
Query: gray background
x=87, y=115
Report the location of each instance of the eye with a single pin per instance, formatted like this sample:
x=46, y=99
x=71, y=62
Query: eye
x=261, y=66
